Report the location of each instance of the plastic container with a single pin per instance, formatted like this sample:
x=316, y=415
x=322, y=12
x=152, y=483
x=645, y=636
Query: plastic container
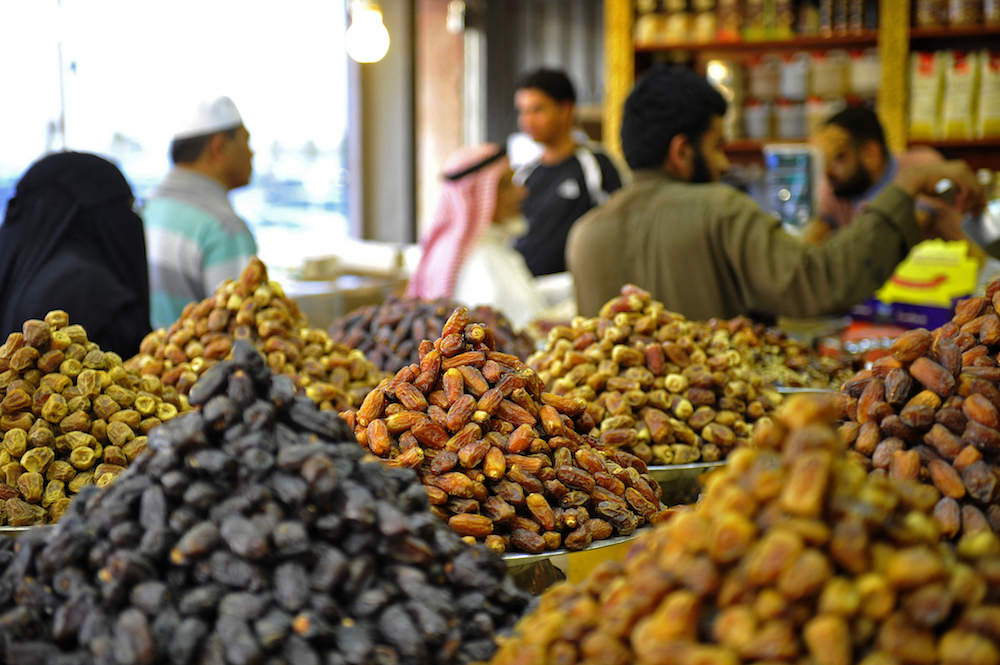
x=790, y=119
x=703, y=27
x=931, y=14
x=991, y=12
x=763, y=76
x=794, y=80
x=964, y=12
x=757, y=119
x=865, y=74
x=729, y=20
x=829, y=73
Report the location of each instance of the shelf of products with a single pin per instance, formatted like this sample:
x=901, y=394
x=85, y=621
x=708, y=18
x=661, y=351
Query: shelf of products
x=986, y=144
x=922, y=34
x=864, y=39
x=895, y=28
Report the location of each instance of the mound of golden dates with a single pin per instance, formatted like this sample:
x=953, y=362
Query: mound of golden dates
x=669, y=390
x=254, y=308
x=794, y=555
x=71, y=416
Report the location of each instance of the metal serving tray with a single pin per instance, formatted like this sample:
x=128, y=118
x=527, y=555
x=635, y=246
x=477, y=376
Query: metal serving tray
x=523, y=558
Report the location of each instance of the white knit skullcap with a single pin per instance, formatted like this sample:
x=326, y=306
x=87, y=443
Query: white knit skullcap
x=216, y=115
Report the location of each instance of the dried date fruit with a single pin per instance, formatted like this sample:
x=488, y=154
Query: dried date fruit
x=318, y=556
x=390, y=334
x=528, y=449
x=867, y=580
x=331, y=374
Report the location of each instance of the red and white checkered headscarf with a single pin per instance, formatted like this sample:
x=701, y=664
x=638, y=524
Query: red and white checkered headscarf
x=464, y=212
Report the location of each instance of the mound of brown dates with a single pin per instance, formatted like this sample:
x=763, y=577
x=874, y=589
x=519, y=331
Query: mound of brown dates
x=668, y=390
x=502, y=461
x=247, y=535
x=390, y=334
x=71, y=416
x=930, y=411
x=256, y=309
x=795, y=554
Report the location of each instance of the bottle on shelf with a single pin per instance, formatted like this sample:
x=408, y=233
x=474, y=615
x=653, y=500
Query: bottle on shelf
x=829, y=73
x=728, y=20
x=964, y=12
x=790, y=119
x=865, y=73
x=794, y=78
x=758, y=119
x=988, y=117
x=703, y=21
x=991, y=13
x=763, y=76
x=930, y=14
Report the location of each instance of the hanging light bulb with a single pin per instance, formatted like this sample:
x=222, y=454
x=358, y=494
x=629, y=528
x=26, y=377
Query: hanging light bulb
x=367, y=40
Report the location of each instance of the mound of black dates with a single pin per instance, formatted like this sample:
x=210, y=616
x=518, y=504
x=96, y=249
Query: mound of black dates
x=246, y=535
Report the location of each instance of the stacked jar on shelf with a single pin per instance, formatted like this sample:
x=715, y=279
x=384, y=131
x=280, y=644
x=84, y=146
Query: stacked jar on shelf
x=789, y=96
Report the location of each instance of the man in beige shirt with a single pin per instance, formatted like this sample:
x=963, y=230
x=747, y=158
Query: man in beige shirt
x=707, y=250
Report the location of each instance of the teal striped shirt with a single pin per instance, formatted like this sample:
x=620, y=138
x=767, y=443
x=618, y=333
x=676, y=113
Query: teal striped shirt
x=194, y=241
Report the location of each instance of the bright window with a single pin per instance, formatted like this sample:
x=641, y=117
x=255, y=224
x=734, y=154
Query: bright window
x=122, y=72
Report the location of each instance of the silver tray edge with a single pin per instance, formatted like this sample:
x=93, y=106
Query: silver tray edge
x=522, y=558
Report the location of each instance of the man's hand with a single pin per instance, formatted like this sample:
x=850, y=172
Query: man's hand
x=922, y=179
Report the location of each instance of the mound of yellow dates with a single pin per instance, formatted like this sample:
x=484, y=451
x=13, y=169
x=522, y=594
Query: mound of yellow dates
x=256, y=309
x=669, y=390
x=794, y=555
x=71, y=416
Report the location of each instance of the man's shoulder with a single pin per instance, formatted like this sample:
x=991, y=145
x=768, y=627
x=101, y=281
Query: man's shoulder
x=176, y=214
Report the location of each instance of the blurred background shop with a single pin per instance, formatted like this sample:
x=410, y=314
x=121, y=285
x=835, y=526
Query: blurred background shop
x=334, y=137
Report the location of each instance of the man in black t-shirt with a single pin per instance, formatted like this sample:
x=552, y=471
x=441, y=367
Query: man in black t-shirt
x=566, y=181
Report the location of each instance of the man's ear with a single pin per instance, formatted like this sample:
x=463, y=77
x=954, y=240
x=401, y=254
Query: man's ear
x=214, y=147
x=679, y=157
x=872, y=156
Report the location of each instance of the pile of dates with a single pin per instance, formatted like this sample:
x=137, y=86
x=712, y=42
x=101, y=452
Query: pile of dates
x=668, y=390
x=794, y=555
x=930, y=411
x=784, y=361
x=246, y=535
x=503, y=462
x=390, y=334
x=254, y=308
x=71, y=416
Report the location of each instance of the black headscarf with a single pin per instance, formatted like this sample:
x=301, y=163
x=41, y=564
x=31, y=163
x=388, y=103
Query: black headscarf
x=70, y=240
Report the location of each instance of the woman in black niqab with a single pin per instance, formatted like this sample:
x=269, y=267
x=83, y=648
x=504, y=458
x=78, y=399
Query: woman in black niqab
x=70, y=240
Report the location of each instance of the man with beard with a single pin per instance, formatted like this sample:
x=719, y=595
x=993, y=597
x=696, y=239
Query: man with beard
x=706, y=249
x=859, y=166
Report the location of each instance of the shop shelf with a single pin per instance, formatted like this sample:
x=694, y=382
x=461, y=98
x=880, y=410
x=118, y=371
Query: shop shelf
x=960, y=144
x=923, y=34
x=755, y=145
x=860, y=40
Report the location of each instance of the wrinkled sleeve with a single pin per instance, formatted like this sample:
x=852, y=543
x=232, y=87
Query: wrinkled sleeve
x=779, y=275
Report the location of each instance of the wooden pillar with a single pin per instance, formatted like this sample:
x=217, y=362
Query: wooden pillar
x=619, y=68
x=894, y=56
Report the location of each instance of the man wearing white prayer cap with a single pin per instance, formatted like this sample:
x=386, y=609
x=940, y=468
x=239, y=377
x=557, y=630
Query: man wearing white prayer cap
x=194, y=238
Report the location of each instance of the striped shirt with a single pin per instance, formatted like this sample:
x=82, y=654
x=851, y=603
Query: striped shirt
x=194, y=241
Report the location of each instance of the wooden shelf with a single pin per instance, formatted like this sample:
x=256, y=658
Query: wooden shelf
x=919, y=34
x=861, y=40
x=961, y=144
x=756, y=145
